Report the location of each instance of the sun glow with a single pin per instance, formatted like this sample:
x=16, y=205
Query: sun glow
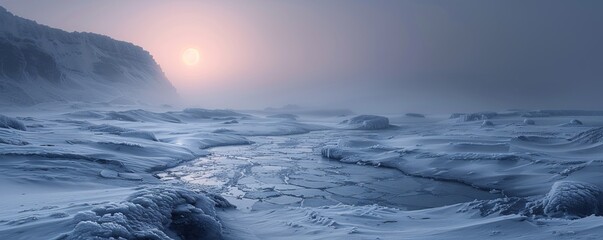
x=190, y=56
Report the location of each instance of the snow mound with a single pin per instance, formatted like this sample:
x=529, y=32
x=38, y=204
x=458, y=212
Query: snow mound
x=156, y=213
x=569, y=199
x=573, y=122
x=591, y=136
x=368, y=122
x=528, y=121
x=9, y=122
x=106, y=128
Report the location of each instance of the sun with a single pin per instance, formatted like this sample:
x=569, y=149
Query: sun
x=190, y=56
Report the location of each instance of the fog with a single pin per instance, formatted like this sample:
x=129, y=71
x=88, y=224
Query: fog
x=371, y=56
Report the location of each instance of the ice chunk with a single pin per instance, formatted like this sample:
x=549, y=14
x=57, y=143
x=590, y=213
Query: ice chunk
x=368, y=122
x=528, y=121
x=573, y=122
x=231, y=122
x=108, y=173
x=9, y=122
x=487, y=123
x=569, y=199
x=156, y=213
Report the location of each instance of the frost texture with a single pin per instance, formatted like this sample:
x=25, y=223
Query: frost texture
x=368, y=122
x=591, y=136
x=568, y=199
x=151, y=214
x=9, y=122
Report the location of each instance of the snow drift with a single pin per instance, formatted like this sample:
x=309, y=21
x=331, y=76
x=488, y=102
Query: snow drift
x=106, y=128
x=9, y=122
x=591, y=136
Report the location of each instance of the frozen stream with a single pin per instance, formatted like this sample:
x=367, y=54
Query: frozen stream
x=279, y=171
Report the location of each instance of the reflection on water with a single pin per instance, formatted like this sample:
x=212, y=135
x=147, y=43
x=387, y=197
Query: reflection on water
x=289, y=171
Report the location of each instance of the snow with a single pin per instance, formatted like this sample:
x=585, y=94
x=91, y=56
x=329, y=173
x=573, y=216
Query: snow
x=78, y=173
x=44, y=64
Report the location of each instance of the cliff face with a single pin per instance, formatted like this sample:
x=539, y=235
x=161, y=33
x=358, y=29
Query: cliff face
x=43, y=64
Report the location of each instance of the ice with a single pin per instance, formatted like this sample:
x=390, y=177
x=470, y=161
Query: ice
x=487, y=124
x=573, y=122
x=368, y=122
x=570, y=199
x=528, y=121
x=155, y=213
x=288, y=178
x=9, y=122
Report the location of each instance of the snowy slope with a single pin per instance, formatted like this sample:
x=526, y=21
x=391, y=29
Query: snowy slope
x=43, y=64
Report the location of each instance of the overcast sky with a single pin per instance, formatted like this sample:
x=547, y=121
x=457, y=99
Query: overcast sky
x=427, y=56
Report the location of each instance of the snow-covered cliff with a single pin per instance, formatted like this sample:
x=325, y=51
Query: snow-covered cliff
x=43, y=64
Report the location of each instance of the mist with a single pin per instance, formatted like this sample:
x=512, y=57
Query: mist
x=386, y=56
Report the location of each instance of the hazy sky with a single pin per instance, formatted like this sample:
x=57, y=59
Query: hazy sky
x=369, y=55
